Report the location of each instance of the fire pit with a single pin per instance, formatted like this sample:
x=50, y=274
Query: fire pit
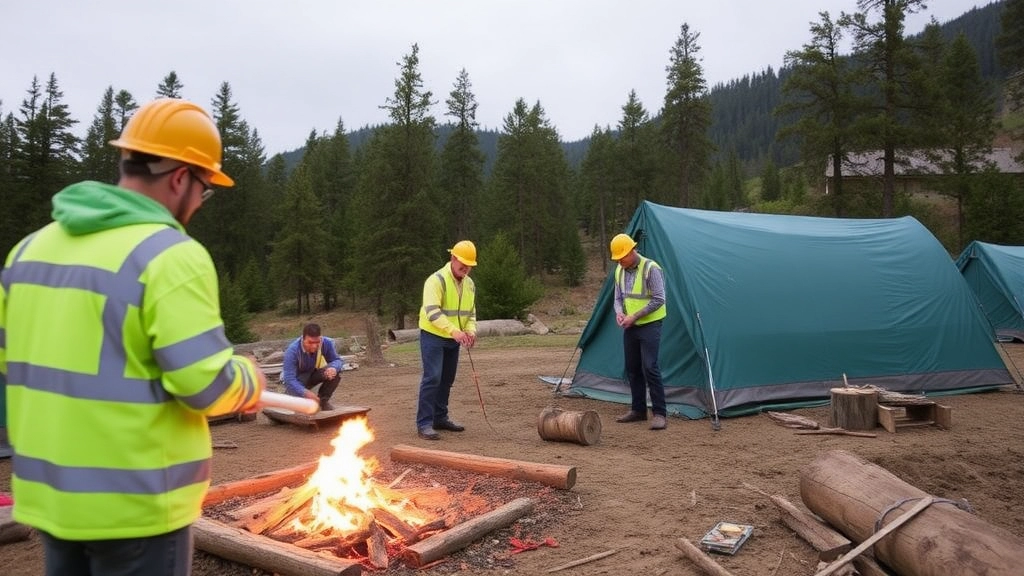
x=333, y=517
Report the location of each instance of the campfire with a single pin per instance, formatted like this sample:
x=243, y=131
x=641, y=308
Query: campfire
x=341, y=509
x=333, y=517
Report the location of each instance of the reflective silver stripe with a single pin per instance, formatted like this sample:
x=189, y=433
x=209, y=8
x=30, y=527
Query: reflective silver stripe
x=3, y=337
x=89, y=480
x=191, y=350
x=435, y=315
x=644, y=269
x=207, y=396
x=88, y=278
x=431, y=307
x=87, y=386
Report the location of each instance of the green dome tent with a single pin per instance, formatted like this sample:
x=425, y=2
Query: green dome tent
x=768, y=312
x=996, y=274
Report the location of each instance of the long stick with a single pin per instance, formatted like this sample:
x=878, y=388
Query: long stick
x=581, y=561
x=479, y=394
x=869, y=542
x=715, y=424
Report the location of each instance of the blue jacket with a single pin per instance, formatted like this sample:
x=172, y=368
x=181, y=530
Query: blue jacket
x=298, y=361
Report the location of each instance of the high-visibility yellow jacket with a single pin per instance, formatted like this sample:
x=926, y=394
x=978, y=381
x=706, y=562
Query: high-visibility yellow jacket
x=446, y=308
x=114, y=354
x=636, y=297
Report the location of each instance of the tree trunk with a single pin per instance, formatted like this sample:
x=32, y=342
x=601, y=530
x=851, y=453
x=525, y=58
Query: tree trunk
x=458, y=537
x=563, y=477
x=374, y=356
x=854, y=409
x=852, y=494
x=266, y=554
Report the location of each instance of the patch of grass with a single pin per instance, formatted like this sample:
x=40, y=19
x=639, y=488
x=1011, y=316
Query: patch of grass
x=408, y=352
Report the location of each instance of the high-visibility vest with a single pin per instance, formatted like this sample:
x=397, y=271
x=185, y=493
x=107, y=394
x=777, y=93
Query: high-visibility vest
x=114, y=354
x=636, y=297
x=458, y=308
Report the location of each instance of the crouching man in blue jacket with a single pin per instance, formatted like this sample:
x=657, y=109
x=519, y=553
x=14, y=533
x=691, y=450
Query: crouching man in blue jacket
x=311, y=361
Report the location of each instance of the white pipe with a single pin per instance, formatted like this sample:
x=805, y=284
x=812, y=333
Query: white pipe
x=298, y=404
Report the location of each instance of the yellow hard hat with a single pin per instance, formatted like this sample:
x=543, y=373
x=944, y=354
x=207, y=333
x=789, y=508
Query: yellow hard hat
x=176, y=129
x=465, y=251
x=621, y=246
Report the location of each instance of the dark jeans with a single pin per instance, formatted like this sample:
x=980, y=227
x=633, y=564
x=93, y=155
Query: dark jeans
x=327, y=387
x=440, y=361
x=641, y=344
x=164, y=555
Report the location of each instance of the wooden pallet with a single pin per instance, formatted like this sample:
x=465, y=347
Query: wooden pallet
x=283, y=416
x=914, y=415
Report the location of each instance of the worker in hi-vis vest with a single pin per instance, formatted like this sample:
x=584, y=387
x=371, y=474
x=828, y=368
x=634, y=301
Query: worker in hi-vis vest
x=639, y=309
x=447, y=321
x=114, y=354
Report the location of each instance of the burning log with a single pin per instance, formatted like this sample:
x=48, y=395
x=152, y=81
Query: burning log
x=258, y=484
x=377, y=547
x=852, y=494
x=251, y=550
x=260, y=506
x=275, y=516
x=458, y=537
x=563, y=477
x=394, y=524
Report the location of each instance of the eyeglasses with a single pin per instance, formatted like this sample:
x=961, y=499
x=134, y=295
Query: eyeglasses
x=208, y=190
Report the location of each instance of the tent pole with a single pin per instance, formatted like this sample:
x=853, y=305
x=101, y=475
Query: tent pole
x=716, y=425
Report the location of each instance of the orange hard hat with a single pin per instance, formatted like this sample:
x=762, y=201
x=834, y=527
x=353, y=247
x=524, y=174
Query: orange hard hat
x=176, y=129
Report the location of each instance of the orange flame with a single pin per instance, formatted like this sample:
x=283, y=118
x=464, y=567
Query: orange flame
x=345, y=494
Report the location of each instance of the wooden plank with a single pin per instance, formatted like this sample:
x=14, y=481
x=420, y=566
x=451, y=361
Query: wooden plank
x=887, y=418
x=829, y=543
x=324, y=417
x=943, y=416
x=458, y=537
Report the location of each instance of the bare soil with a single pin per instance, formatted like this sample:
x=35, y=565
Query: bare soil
x=637, y=490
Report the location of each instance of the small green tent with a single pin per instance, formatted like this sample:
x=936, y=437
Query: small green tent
x=769, y=311
x=996, y=274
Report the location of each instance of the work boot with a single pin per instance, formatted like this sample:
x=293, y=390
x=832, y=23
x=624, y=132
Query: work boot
x=632, y=416
x=658, y=422
x=428, y=433
x=326, y=405
x=448, y=425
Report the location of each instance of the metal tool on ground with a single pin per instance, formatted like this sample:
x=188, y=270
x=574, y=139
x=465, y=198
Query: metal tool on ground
x=298, y=404
x=558, y=387
x=716, y=425
x=479, y=394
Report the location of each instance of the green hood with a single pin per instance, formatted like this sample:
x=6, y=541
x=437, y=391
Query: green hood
x=88, y=207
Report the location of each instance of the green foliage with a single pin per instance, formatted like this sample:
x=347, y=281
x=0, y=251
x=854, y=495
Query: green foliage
x=771, y=183
x=995, y=209
x=233, y=310
x=574, y=260
x=255, y=287
x=462, y=165
x=503, y=288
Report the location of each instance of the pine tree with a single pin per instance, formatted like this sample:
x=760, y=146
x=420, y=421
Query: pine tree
x=686, y=115
x=170, y=87
x=99, y=158
x=300, y=262
x=882, y=50
x=820, y=93
x=124, y=107
x=504, y=289
x=596, y=188
x=965, y=125
x=462, y=164
x=234, y=313
x=634, y=161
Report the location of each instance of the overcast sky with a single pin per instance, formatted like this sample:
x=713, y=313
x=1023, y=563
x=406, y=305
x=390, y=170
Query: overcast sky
x=299, y=65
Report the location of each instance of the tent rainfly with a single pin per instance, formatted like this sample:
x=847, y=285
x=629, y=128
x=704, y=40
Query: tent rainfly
x=996, y=274
x=769, y=312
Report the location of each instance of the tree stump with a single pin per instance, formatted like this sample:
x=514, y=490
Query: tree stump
x=569, y=426
x=374, y=356
x=854, y=409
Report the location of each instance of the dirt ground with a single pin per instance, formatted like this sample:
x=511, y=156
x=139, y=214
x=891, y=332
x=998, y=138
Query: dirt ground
x=637, y=490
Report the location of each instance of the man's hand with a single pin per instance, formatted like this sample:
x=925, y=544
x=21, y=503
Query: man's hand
x=620, y=319
x=330, y=373
x=311, y=395
x=471, y=337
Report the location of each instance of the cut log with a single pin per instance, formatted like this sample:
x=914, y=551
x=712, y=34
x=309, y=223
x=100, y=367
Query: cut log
x=458, y=537
x=851, y=494
x=569, y=426
x=792, y=420
x=266, y=554
x=260, y=506
x=854, y=409
x=563, y=477
x=829, y=543
x=11, y=531
x=394, y=524
x=377, y=547
x=276, y=515
x=870, y=541
x=259, y=484
x=698, y=557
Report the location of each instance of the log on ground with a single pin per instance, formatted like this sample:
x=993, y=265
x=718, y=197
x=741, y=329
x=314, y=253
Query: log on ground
x=259, y=484
x=851, y=494
x=458, y=537
x=558, y=476
x=829, y=543
x=266, y=554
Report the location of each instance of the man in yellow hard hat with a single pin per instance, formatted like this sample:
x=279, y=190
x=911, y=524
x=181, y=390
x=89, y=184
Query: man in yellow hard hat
x=108, y=413
x=447, y=321
x=639, y=309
